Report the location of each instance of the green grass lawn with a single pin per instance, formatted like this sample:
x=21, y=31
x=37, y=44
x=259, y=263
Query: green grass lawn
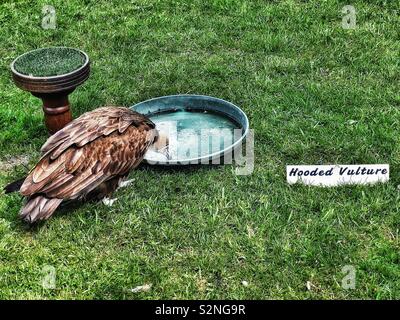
x=314, y=92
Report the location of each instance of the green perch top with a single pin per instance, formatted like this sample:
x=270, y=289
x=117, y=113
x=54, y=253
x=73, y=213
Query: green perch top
x=49, y=62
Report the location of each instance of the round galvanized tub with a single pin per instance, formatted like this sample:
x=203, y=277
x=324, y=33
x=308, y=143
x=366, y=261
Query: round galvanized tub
x=197, y=112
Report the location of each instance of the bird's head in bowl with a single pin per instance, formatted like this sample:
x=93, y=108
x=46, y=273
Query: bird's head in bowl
x=161, y=144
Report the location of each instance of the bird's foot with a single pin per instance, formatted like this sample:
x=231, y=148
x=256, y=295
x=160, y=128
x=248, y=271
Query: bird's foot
x=125, y=183
x=108, y=202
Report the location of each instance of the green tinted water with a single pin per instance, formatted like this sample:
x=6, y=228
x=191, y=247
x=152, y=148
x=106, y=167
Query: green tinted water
x=193, y=134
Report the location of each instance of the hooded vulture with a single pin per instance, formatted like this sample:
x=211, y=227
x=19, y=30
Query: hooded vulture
x=88, y=159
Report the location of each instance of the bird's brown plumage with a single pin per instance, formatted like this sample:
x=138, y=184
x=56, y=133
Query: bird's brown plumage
x=100, y=146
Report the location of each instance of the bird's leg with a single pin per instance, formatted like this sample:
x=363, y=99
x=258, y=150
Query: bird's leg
x=109, y=187
x=125, y=183
x=114, y=184
x=104, y=191
x=109, y=202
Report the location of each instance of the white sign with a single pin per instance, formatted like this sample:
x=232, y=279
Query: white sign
x=335, y=175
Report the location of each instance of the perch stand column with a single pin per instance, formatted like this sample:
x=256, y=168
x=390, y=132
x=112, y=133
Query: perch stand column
x=56, y=108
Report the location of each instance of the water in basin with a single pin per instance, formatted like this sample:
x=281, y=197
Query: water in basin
x=194, y=133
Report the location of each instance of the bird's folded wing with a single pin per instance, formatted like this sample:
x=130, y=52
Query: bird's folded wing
x=93, y=148
x=90, y=126
x=79, y=170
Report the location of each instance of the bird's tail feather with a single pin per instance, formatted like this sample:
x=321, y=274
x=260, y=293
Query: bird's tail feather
x=39, y=208
x=14, y=186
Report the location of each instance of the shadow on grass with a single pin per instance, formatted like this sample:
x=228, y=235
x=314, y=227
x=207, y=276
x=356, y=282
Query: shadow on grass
x=70, y=206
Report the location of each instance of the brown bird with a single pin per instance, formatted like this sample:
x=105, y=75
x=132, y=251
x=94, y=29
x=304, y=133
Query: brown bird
x=88, y=159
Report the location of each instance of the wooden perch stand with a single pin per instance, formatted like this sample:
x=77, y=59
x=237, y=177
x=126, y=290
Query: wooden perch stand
x=53, y=91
